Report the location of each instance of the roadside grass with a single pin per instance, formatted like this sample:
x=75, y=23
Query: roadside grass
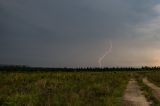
x=154, y=77
x=146, y=90
x=62, y=88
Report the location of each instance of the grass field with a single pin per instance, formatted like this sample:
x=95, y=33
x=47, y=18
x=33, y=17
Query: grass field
x=62, y=88
x=40, y=88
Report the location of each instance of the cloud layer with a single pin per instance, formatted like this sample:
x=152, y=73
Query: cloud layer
x=74, y=33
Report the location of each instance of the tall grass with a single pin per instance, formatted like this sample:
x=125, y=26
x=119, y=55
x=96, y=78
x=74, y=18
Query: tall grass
x=62, y=88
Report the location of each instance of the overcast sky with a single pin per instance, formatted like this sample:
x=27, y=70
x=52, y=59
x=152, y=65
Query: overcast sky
x=76, y=33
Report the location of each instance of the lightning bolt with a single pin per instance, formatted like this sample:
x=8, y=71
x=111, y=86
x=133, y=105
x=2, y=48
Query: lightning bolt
x=106, y=53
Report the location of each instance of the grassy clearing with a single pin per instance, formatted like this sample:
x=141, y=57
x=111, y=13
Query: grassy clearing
x=62, y=88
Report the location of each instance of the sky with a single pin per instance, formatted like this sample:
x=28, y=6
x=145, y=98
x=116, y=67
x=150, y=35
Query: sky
x=77, y=33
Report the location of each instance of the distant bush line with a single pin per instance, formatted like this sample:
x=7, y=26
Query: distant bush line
x=23, y=68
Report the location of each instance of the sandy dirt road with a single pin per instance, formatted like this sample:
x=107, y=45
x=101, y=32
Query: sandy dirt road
x=155, y=89
x=133, y=95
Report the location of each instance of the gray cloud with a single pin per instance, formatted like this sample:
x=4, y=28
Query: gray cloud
x=74, y=33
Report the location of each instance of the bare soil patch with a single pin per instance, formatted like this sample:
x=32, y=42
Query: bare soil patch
x=133, y=95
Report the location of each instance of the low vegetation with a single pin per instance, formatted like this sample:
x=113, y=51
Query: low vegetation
x=70, y=87
x=154, y=77
x=62, y=88
x=147, y=92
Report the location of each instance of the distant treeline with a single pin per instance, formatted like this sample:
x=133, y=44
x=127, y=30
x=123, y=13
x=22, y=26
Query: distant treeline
x=27, y=68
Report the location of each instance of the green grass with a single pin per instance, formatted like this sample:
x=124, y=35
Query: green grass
x=46, y=88
x=153, y=76
x=147, y=92
x=62, y=88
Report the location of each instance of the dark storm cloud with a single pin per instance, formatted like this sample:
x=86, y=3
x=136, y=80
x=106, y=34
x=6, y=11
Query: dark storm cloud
x=68, y=32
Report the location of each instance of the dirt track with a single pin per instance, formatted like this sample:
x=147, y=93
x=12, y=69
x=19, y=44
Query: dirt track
x=133, y=95
x=155, y=89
